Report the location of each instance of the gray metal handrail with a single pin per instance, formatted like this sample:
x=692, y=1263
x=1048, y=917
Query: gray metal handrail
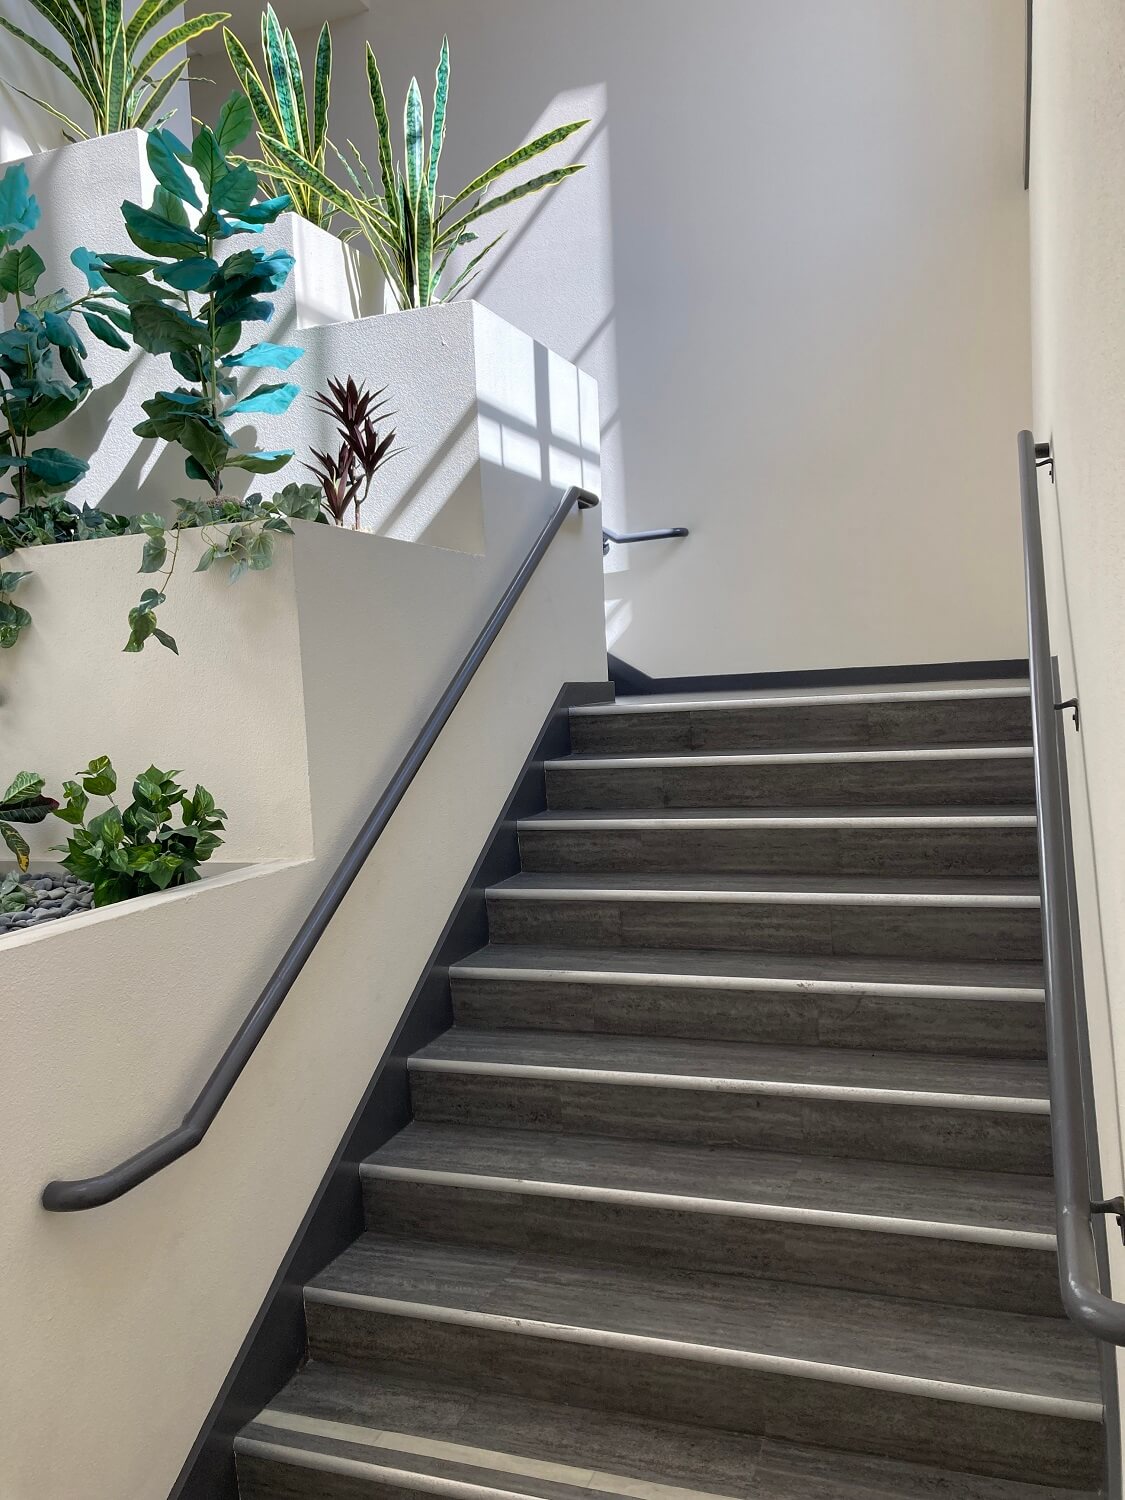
x=1084, y=1301
x=91, y=1192
x=626, y=538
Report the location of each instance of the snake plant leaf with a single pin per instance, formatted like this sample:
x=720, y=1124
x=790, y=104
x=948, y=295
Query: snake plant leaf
x=147, y=16
x=264, y=356
x=424, y=248
x=103, y=330
x=412, y=121
x=43, y=51
x=297, y=79
x=272, y=399
x=76, y=131
x=536, y=185
x=273, y=49
x=470, y=272
x=252, y=85
x=526, y=153
x=437, y=125
x=179, y=36
x=236, y=121
x=19, y=208
x=167, y=169
x=383, y=126
x=322, y=79
x=118, y=66
x=163, y=88
x=302, y=171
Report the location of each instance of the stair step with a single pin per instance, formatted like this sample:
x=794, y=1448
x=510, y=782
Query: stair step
x=331, y=1435
x=1011, y=1395
x=906, y=842
x=982, y=715
x=967, y=1238
x=952, y=918
x=992, y=776
x=991, y=1115
x=976, y=1009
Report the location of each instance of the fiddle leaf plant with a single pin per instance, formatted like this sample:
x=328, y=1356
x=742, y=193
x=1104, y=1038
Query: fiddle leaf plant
x=23, y=802
x=112, y=60
x=411, y=228
x=184, y=301
x=133, y=850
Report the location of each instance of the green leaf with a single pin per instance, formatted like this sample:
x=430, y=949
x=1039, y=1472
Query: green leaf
x=273, y=48
x=8, y=582
x=525, y=153
x=424, y=249
x=437, y=125
x=208, y=158
x=383, y=125
x=161, y=330
x=178, y=37
x=260, y=462
x=190, y=275
x=27, y=785
x=17, y=844
x=99, y=777
x=265, y=356
x=322, y=79
x=311, y=176
x=103, y=330
x=19, y=271
x=19, y=210
x=162, y=88
x=45, y=52
x=248, y=77
x=236, y=121
x=412, y=126
x=154, y=555
x=168, y=170
x=297, y=78
x=233, y=192
x=273, y=399
x=536, y=185
x=56, y=468
x=156, y=235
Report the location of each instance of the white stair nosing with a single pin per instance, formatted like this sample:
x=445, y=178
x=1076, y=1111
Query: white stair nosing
x=583, y=762
x=979, y=1234
x=586, y=824
x=909, y=695
x=357, y=1468
x=750, y=896
x=774, y=1088
x=672, y=979
x=913, y=1385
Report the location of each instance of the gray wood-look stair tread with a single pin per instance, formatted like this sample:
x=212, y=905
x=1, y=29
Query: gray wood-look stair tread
x=578, y=760
x=993, y=1201
x=1006, y=1359
x=875, y=975
x=527, y=1447
x=1022, y=1082
x=804, y=697
x=939, y=816
x=844, y=888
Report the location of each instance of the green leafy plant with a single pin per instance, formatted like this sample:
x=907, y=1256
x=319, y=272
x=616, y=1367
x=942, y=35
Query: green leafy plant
x=413, y=230
x=23, y=802
x=13, y=895
x=181, y=300
x=113, y=60
x=346, y=476
x=132, y=850
x=283, y=110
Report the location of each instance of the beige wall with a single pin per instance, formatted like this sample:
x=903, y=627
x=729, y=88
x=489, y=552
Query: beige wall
x=1078, y=286
x=797, y=266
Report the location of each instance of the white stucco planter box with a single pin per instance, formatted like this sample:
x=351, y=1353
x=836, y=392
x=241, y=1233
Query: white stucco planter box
x=80, y=188
x=488, y=419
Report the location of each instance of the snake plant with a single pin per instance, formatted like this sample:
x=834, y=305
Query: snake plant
x=283, y=110
x=112, y=60
x=413, y=230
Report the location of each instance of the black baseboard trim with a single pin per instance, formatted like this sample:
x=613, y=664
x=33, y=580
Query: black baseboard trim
x=275, y=1346
x=630, y=682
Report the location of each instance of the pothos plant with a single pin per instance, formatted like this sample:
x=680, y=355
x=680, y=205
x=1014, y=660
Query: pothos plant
x=43, y=379
x=182, y=300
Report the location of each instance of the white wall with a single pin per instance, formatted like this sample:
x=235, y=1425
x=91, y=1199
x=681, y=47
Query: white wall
x=1078, y=284
x=797, y=266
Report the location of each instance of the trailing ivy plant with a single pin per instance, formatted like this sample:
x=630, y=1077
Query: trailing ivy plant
x=132, y=850
x=43, y=377
x=283, y=110
x=23, y=802
x=112, y=60
x=413, y=230
x=183, y=301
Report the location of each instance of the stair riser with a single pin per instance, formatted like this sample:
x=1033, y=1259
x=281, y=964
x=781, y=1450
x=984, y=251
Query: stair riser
x=273, y=1479
x=999, y=721
x=862, y=930
x=949, y=1271
x=983, y=1439
x=1000, y=1140
x=911, y=783
x=968, y=1028
x=998, y=852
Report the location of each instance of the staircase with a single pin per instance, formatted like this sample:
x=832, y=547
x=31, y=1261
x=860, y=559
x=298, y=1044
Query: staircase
x=733, y=1176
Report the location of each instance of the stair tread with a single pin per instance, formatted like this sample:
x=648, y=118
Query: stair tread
x=951, y=889
x=522, y=1447
x=1008, y=1359
x=1020, y=1206
x=844, y=1071
x=939, y=816
x=711, y=964
x=805, y=697
x=577, y=759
